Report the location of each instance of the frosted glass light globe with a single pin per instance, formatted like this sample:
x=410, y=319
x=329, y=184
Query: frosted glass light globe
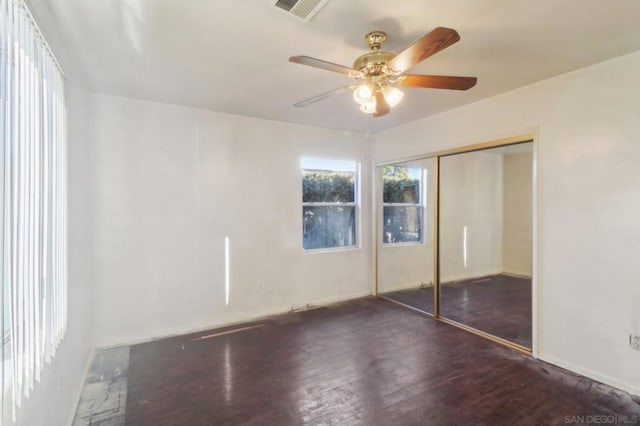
x=362, y=94
x=392, y=95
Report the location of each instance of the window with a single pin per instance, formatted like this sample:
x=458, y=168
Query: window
x=32, y=197
x=403, y=204
x=329, y=203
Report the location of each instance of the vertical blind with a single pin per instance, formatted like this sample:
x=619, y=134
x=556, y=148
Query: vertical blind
x=32, y=197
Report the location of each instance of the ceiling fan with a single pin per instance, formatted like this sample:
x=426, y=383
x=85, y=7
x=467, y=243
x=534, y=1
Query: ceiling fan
x=378, y=73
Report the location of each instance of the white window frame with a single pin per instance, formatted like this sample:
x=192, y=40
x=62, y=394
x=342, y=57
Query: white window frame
x=356, y=203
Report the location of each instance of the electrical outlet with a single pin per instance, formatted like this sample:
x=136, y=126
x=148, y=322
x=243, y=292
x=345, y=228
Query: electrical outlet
x=634, y=341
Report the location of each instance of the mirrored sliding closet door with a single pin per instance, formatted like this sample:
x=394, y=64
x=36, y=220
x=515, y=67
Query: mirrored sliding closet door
x=405, y=223
x=485, y=240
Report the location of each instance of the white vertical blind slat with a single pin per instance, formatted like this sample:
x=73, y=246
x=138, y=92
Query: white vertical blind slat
x=32, y=209
x=38, y=242
x=18, y=312
x=3, y=168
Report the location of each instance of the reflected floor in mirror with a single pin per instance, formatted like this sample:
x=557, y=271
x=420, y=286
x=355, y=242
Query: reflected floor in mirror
x=420, y=298
x=499, y=305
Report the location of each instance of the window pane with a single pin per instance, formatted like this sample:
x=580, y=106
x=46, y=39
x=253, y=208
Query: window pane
x=401, y=184
x=402, y=224
x=325, y=186
x=329, y=226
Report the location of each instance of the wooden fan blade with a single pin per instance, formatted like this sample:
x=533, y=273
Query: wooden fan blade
x=382, y=107
x=430, y=44
x=322, y=96
x=319, y=63
x=437, y=81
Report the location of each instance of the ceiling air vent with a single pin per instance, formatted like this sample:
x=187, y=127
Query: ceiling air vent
x=301, y=9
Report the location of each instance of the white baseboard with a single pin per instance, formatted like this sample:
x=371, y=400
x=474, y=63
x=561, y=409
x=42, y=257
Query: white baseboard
x=456, y=278
x=332, y=300
x=209, y=326
x=516, y=275
x=405, y=286
x=465, y=277
x=590, y=374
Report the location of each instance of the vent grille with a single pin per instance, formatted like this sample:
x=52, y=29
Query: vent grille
x=301, y=9
x=286, y=4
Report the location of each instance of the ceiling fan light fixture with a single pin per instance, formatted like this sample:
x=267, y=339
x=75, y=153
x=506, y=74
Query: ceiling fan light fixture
x=378, y=73
x=392, y=95
x=363, y=94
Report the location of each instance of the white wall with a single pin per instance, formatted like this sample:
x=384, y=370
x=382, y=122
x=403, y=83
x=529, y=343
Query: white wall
x=588, y=234
x=53, y=400
x=170, y=183
x=517, y=235
x=471, y=188
x=403, y=266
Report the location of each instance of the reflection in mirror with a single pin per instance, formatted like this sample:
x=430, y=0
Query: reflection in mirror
x=405, y=229
x=486, y=240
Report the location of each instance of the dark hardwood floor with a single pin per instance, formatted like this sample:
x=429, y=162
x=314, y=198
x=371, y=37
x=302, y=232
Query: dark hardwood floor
x=498, y=304
x=363, y=362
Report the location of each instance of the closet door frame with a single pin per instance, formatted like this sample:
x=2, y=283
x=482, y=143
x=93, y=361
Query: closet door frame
x=436, y=246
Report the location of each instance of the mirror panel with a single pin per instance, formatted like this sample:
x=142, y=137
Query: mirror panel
x=405, y=224
x=485, y=240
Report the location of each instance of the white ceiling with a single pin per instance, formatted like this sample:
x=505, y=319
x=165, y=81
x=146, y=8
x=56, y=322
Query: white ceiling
x=232, y=56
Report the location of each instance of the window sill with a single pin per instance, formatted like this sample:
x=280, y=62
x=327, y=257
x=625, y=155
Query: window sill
x=330, y=250
x=394, y=245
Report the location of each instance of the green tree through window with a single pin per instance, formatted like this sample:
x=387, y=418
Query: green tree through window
x=329, y=208
x=402, y=205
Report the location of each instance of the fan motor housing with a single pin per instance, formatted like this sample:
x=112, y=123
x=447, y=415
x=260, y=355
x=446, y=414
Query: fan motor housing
x=374, y=63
